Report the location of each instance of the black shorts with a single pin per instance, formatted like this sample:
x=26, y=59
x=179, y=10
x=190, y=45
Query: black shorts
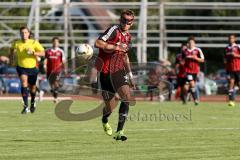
x=53, y=77
x=30, y=72
x=181, y=81
x=234, y=75
x=150, y=88
x=111, y=82
x=190, y=77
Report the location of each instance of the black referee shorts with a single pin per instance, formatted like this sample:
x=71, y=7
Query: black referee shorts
x=30, y=72
x=111, y=82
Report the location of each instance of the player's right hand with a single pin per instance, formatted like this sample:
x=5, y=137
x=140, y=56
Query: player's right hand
x=132, y=84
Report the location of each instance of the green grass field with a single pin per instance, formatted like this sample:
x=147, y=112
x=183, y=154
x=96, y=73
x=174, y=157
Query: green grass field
x=156, y=131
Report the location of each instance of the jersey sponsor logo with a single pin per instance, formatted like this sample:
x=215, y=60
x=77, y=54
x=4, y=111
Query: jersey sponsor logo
x=126, y=78
x=53, y=57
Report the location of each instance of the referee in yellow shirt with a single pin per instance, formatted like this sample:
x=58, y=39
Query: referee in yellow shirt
x=27, y=51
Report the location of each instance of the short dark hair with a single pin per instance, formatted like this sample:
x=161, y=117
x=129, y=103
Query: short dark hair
x=24, y=27
x=127, y=12
x=191, y=38
x=234, y=35
x=55, y=38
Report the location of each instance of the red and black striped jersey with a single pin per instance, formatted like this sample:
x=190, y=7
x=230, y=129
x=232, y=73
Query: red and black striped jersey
x=112, y=62
x=232, y=63
x=191, y=65
x=181, y=69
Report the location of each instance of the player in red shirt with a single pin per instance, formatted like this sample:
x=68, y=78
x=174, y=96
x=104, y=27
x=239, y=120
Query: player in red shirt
x=54, y=63
x=192, y=57
x=115, y=73
x=232, y=66
x=180, y=71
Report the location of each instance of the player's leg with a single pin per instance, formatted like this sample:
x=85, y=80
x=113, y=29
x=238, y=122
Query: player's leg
x=55, y=87
x=110, y=104
x=193, y=91
x=121, y=84
x=237, y=80
x=24, y=92
x=108, y=95
x=32, y=79
x=231, y=92
x=23, y=76
x=51, y=80
x=41, y=89
x=185, y=92
x=150, y=91
x=191, y=79
x=124, y=93
x=182, y=83
x=126, y=99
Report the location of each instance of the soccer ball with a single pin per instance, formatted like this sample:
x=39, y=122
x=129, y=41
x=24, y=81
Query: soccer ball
x=84, y=51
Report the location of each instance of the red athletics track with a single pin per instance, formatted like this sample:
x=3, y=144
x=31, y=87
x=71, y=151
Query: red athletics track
x=212, y=98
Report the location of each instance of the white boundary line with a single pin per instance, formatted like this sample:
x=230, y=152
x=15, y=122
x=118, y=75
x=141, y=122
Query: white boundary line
x=44, y=98
x=128, y=130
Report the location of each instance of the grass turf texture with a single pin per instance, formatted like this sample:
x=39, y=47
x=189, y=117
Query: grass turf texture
x=210, y=131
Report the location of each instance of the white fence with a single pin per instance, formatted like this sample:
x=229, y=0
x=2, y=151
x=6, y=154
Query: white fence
x=77, y=22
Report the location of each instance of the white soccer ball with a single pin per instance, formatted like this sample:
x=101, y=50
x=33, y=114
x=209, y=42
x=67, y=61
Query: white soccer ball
x=84, y=51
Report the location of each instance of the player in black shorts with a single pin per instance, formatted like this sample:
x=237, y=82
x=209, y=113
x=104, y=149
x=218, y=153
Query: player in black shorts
x=54, y=65
x=180, y=71
x=232, y=66
x=115, y=74
x=27, y=51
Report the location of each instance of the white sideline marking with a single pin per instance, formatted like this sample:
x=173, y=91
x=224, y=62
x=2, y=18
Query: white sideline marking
x=128, y=130
x=18, y=112
x=27, y=130
x=171, y=129
x=20, y=98
x=4, y=130
x=4, y=112
x=213, y=118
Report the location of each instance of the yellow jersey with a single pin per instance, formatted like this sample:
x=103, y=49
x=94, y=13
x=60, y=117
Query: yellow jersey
x=23, y=58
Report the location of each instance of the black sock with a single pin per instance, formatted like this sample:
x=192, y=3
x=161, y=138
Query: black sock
x=52, y=91
x=231, y=95
x=55, y=92
x=123, y=112
x=24, y=91
x=106, y=114
x=33, y=95
x=182, y=94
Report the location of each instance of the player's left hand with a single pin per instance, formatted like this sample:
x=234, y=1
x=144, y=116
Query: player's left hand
x=182, y=62
x=65, y=73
